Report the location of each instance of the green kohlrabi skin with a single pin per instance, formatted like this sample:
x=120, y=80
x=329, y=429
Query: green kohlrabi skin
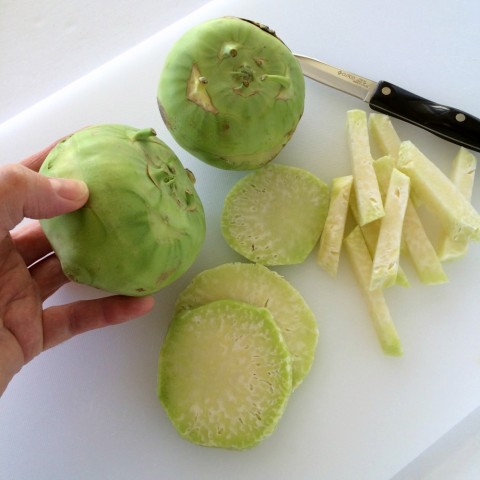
x=231, y=93
x=143, y=224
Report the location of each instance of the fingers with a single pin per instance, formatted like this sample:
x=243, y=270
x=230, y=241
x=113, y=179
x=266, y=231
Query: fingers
x=24, y=193
x=60, y=323
x=48, y=275
x=11, y=358
x=31, y=242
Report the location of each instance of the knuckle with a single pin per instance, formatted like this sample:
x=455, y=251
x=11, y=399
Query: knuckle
x=13, y=185
x=12, y=178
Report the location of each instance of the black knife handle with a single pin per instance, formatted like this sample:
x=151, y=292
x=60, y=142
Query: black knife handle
x=446, y=122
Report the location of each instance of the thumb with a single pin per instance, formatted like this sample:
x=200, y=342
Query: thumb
x=24, y=193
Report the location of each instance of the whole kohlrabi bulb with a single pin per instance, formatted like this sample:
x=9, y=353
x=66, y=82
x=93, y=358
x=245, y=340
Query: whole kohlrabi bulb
x=231, y=93
x=143, y=224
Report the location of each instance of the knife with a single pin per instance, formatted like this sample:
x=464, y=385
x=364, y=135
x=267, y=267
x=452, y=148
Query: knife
x=446, y=122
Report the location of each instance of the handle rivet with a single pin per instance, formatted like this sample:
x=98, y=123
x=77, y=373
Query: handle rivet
x=386, y=90
x=460, y=117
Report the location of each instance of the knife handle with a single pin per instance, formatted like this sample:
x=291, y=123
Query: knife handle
x=446, y=122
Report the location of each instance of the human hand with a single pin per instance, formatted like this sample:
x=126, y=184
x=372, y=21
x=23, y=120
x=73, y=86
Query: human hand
x=30, y=272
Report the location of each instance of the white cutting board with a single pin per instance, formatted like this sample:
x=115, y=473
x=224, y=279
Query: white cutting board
x=88, y=409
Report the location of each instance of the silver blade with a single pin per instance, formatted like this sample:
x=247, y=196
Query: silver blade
x=337, y=78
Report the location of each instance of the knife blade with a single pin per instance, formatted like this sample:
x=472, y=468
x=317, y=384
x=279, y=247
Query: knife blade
x=449, y=123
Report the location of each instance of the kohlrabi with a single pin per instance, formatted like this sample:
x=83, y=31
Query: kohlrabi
x=231, y=93
x=224, y=374
x=275, y=215
x=143, y=224
x=257, y=285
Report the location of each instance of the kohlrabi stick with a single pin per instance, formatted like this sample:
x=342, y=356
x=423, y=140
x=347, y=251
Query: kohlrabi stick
x=463, y=176
x=416, y=240
x=370, y=234
x=361, y=263
x=369, y=201
x=328, y=255
x=438, y=192
x=421, y=251
x=383, y=169
x=386, y=141
x=369, y=230
x=384, y=135
x=387, y=254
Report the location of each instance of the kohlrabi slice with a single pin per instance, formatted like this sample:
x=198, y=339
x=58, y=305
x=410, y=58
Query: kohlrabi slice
x=275, y=215
x=231, y=93
x=225, y=374
x=258, y=285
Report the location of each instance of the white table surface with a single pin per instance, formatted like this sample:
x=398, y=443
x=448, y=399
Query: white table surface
x=46, y=45
x=87, y=409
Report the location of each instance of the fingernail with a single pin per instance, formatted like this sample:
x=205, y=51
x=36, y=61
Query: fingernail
x=69, y=189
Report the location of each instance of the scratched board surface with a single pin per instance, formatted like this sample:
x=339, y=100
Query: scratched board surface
x=88, y=408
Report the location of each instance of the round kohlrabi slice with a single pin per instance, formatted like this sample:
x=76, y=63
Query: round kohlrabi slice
x=225, y=374
x=275, y=215
x=258, y=285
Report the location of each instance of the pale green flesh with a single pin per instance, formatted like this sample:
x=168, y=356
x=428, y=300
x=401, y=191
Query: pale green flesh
x=361, y=263
x=387, y=252
x=262, y=287
x=224, y=374
x=275, y=215
x=437, y=191
x=417, y=242
x=328, y=255
x=422, y=253
x=368, y=197
x=462, y=175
